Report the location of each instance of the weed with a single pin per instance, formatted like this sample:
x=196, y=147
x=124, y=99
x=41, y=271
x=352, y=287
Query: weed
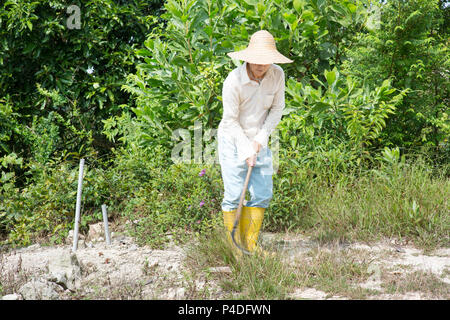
x=418, y=281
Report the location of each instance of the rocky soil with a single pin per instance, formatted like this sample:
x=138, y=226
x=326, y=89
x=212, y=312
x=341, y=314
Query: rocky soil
x=124, y=270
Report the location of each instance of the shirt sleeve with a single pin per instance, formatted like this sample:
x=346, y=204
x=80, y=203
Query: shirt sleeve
x=230, y=118
x=274, y=116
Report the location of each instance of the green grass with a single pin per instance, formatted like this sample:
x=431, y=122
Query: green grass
x=417, y=281
x=274, y=276
x=335, y=272
x=257, y=276
x=399, y=201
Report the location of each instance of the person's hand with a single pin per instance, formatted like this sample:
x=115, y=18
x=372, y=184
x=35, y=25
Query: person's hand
x=251, y=161
x=256, y=146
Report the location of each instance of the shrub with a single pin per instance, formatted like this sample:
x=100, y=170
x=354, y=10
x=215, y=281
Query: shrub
x=176, y=203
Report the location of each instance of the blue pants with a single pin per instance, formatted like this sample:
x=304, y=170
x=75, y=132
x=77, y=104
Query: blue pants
x=234, y=172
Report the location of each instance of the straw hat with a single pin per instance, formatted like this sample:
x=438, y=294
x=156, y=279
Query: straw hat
x=260, y=50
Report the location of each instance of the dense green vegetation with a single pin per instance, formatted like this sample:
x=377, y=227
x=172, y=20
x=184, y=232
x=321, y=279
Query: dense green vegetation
x=363, y=147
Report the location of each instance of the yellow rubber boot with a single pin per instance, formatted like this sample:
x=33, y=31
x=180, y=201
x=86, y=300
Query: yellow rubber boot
x=228, y=221
x=250, y=224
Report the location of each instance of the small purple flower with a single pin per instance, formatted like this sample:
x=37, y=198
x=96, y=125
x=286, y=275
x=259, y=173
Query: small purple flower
x=201, y=203
x=202, y=173
x=189, y=208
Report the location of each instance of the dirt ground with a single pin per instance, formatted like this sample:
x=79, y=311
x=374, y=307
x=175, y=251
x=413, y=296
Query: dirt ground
x=397, y=270
x=124, y=270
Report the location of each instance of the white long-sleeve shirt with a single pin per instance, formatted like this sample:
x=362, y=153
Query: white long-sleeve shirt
x=251, y=110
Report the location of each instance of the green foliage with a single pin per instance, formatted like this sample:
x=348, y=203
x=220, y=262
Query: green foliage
x=184, y=64
x=176, y=203
x=45, y=208
x=358, y=95
x=184, y=60
x=9, y=124
x=58, y=83
x=411, y=48
x=7, y=178
x=336, y=118
x=184, y=68
x=398, y=198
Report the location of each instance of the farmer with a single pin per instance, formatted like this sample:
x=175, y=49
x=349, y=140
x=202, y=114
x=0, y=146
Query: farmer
x=253, y=102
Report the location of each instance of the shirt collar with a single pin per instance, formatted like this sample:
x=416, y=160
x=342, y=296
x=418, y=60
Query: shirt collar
x=244, y=75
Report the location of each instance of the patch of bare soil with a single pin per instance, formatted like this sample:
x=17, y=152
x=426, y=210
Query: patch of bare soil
x=124, y=270
x=395, y=271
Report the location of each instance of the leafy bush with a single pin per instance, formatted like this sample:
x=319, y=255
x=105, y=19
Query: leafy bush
x=45, y=208
x=134, y=188
x=335, y=124
x=410, y=48
x=184, y=62
x=58, y=83
x=175, y=204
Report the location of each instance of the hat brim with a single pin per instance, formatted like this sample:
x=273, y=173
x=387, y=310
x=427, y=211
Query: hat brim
x=259, y=57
